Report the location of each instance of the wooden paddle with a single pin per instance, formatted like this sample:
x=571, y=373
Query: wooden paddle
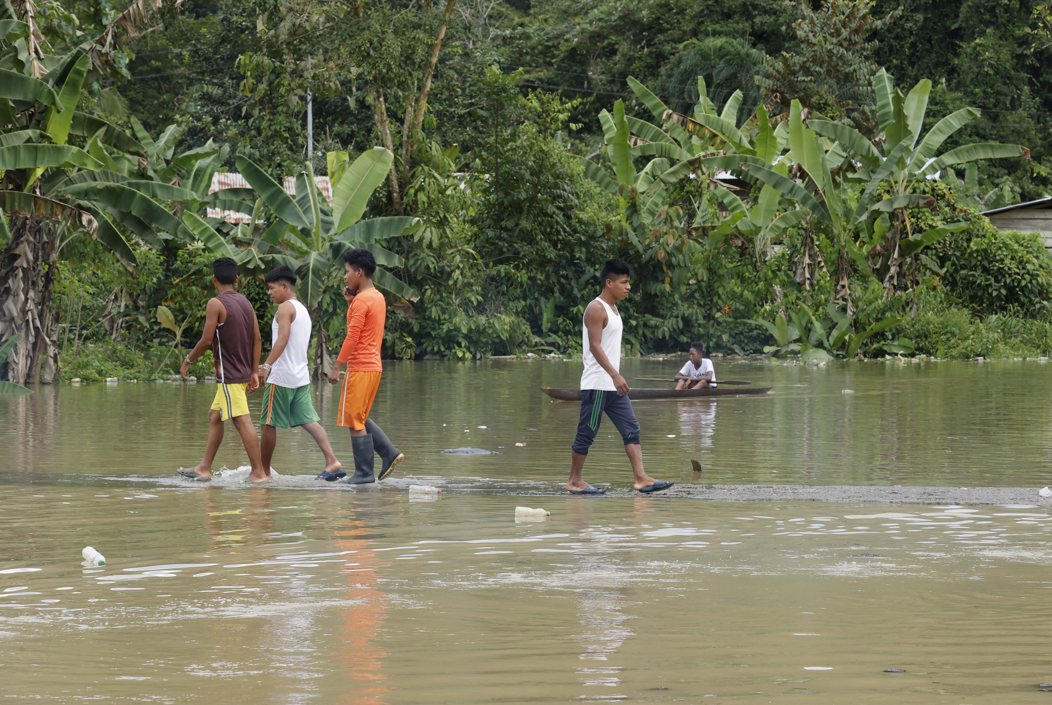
x=718, y=382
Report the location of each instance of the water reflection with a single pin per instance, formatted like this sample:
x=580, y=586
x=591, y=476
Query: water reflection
x=357, y=648
x=697, y=420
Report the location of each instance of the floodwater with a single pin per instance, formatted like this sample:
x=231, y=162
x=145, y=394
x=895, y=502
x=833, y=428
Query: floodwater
x=311, y=593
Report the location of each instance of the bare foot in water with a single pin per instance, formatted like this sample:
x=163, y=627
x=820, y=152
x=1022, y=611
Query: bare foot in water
x=334, y=467
x=259, y=478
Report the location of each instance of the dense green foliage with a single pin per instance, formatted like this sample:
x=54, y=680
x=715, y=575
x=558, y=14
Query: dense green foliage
x=529, y=156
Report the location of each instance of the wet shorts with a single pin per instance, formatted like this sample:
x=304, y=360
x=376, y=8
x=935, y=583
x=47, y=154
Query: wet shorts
x=230, y=401
x=596, y=402
x=356, y=399
x=286, y=407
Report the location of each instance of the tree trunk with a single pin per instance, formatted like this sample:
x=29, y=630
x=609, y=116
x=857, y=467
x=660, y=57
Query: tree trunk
x=384, y=128
x=425, y=90
x=28, y=266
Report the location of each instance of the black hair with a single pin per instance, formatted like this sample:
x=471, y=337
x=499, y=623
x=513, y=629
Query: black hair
x=361, y=259
x=224, y=270
x=282, y=273
x=615, y=268
x=699, y=347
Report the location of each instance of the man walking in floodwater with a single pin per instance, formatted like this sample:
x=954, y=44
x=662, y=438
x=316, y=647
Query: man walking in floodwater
x=232, y=331
x=285, y=376
x=366, y=317
x=603, y=389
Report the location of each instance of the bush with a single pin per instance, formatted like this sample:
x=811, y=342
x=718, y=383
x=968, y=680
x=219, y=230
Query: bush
x=943, y=329
x=995, y=272
x=94, y=362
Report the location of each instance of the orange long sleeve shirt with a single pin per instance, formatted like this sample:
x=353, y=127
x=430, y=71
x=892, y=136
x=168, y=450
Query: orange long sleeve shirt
x=366, y=317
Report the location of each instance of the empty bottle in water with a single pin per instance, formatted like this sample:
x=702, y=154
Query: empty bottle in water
x=93, y=557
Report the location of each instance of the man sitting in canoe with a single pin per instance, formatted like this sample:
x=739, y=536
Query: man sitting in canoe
x=698, y=373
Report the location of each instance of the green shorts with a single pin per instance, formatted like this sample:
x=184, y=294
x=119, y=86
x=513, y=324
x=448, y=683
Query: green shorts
x=285, y=407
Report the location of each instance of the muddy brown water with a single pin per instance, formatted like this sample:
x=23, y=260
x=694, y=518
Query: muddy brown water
x=310, y=593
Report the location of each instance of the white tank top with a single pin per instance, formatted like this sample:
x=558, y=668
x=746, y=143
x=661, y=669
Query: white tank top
x=291, y=370
x=594, y=376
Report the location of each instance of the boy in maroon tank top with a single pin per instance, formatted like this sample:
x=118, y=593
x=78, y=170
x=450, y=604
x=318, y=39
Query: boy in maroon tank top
x=232, y=332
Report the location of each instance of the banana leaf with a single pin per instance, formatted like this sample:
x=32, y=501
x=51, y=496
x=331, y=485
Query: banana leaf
x=60, y=119
x=13, y=390
x=659, y=110
x=976, y=152
x=916, y=106
x=108, y=234
x=361, y=178
x=366, y=233
x=201, y=230
x=938, y=134
x=119, y=198
x=856, y=143
x=21, y=137
x=316, y=273
x=85, y=125
x=19, y=87
x=33, y=156
x=271, y=193
x=38, y=206
x=391, y=284
x=619, y=151
x=648, y=131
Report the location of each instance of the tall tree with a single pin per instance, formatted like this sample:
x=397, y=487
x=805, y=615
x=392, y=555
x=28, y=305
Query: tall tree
x=828, y=67
x=388, y=52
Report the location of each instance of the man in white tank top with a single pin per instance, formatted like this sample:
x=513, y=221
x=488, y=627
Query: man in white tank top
x=603, y=389
x=285, y=376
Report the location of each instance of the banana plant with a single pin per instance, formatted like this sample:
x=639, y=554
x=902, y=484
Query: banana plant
x=890, y=168
x=60, y=179
x=308, y=234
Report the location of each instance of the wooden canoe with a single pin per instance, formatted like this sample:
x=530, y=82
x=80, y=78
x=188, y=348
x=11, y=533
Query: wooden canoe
x=639, y=394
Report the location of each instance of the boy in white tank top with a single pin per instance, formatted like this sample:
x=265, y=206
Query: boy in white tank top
x=603, y=389
x=285, y=376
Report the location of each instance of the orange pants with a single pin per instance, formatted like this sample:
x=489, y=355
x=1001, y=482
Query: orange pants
x=356, y=399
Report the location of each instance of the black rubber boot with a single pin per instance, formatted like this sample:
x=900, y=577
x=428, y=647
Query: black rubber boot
x=363, y=460
x=389, y=455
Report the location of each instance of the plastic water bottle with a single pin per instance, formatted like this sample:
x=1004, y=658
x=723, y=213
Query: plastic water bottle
x=424, y=491
x=93, y=557
x=530, y=514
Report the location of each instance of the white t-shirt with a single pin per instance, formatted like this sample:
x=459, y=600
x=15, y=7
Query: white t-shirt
x=689, y=370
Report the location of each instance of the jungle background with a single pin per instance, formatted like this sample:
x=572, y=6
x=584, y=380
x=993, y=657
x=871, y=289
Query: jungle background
x=785, y=176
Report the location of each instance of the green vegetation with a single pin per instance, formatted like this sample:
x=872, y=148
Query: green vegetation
x=771, y=184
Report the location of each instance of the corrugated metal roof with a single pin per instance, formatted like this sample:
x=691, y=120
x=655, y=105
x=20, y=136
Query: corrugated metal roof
x=1047, y=200
x=229, y=179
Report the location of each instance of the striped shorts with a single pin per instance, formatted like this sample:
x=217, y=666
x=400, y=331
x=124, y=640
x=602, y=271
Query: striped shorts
x=596, y=402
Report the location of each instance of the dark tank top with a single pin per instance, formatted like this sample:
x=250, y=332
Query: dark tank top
x=232, y=346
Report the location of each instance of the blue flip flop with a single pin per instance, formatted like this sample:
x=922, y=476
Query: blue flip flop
x=590, y=490
x=331, y=476
x=656, y=486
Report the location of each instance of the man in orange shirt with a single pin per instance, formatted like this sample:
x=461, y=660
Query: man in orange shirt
x=366, y=317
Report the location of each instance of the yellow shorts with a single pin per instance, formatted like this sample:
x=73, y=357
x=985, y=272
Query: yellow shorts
x=231, y=401
x=356, y=399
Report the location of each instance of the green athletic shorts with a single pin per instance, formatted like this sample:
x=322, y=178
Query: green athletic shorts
x=285, y=407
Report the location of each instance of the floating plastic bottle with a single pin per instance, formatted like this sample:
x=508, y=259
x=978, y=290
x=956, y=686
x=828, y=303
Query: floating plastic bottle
x=93, y=557
x=424, y=492
x=531, y=514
